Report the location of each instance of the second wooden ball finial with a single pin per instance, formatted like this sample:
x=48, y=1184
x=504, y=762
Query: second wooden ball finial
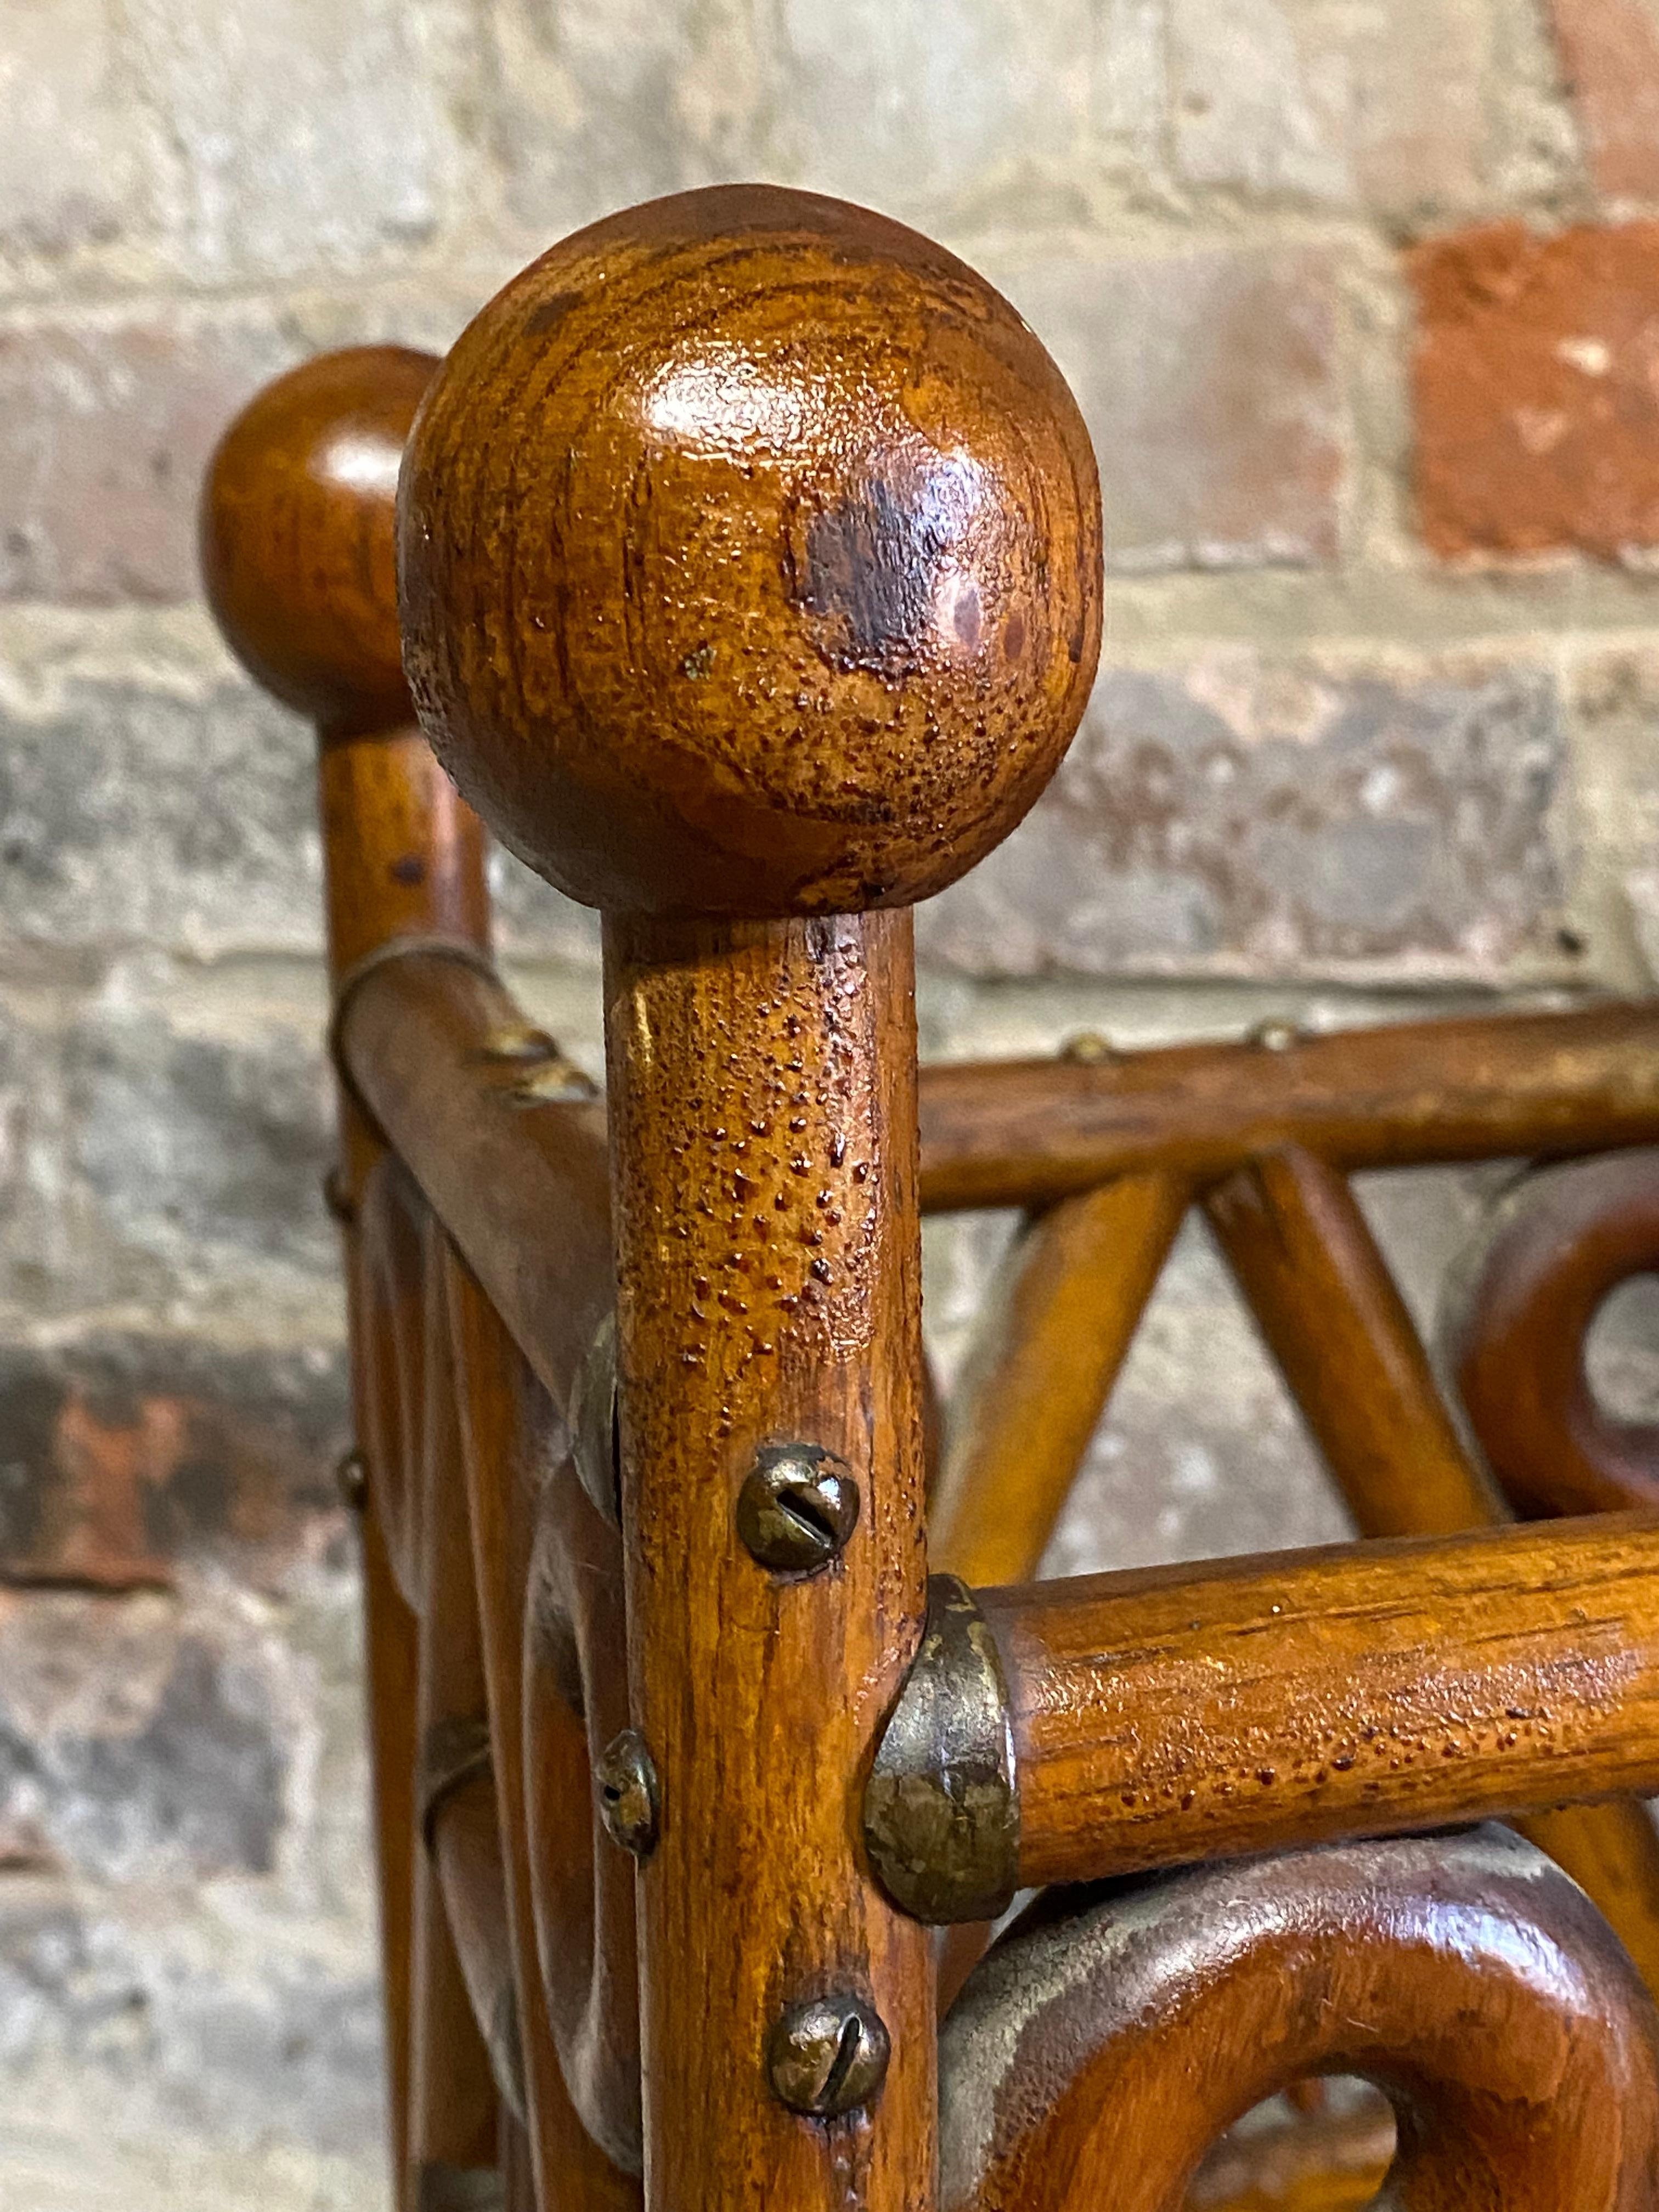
x=750, y=561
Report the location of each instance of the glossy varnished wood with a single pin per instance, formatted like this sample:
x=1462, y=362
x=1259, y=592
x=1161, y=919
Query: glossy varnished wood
x=500, y=1132
x=1027, y=1132
x=1564, y=1240
x=1321, y=1290
x=1096, y=2053
x=769, y=1266
x=1048, y=1349
x=513, y=1446
x=1185, y=1713
x=298, y=548
x=750, y=559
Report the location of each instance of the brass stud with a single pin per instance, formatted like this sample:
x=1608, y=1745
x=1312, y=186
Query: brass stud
x=828, y=2056
x=351, y=1479
x=1088, y=1049
x=1275, y=1035
x=626, y=1781
x=797, y=1508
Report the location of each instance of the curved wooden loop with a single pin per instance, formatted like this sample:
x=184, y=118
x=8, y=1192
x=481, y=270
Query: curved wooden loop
x=1562, y=1241
x=391, y=1286
x=575, y=1701
x=1099, y=2050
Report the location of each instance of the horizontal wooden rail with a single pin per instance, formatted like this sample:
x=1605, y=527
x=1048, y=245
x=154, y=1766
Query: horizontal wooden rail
x=1028, y=1132
x=504, y=1137
x=1181, y=1714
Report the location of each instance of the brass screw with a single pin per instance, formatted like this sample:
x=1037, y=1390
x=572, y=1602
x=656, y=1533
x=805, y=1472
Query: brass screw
x=1275, y=1035
x=351, y=1479
x=627, y=1785
x=1088, y=1049
x=828, y=2056
x=797, y=1508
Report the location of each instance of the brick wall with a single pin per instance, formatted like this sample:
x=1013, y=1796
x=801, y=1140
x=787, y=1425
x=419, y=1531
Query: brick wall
x=1363, y=305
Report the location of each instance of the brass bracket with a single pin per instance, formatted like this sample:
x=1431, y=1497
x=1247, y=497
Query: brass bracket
x=941, y=1812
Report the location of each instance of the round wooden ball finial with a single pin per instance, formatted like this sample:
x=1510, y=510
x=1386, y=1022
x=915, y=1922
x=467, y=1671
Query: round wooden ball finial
x=750, y=561
x=298, y=533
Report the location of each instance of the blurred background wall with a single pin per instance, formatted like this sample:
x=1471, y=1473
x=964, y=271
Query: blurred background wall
x=1362, y=303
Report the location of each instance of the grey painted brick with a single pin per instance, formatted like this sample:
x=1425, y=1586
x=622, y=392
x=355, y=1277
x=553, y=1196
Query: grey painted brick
x=166, y=1146
x=1247, y=815
x=599, y=103
x=174, y=814
x=1341, y=108
x=105, y=426
x=1211, y=386
x=352, y=104
x=76, y=155
x=968, y=107
x=190, y=2051
x=132, y=1744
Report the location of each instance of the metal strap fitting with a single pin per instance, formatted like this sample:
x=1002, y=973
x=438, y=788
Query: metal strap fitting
x=941, y=1813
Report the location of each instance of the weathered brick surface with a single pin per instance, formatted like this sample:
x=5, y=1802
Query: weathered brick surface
x=1241, y=813
x=78, y=164
x=1286, y=101
x=164, y=1756
x=127, y=1459
x=921, y=112
x=1322, y=773
x=1535, y=393
x=597, y=103
x=353, y=102
x=1210, y=385
x=1610, y=56
x=105, y=426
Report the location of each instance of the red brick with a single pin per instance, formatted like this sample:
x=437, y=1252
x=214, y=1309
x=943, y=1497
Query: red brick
x=105, y=429
x=1535, y=390
x=126, y=1455
x=1610, y=53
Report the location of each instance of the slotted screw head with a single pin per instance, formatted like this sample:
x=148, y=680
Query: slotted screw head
x=828, y=2056
x=797, y=1508
x=627, y=1785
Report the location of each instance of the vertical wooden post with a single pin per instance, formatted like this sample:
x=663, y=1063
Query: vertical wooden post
x=298, y=545
x=750, y=562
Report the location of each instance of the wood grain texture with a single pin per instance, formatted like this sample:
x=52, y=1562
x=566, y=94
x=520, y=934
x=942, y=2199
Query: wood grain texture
x=1337, y=1327
x=750, y=555
x=1028, y=1132
x=512, y=1445
x=574, y=1705
x=454, y=2112
x=1096, y=2053
x=1048, y=1345
x=1562, y=1240
x=1176, y=1714
x=1335, y=1322
x=298, y=534
x=298, y=543
x=498, y=1131
x=764, y=1134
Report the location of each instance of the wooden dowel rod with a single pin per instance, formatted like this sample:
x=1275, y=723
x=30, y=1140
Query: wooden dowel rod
x=1335, y=1323
x=768, y=1266
x=508, y=1433
x=298, y=556
x=1172, y=1715
x=1050, y=1345
x=1334, y=1319
x=749, y=555
x=1028, y=1132
x=500, y=1133
x=454, y=2112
